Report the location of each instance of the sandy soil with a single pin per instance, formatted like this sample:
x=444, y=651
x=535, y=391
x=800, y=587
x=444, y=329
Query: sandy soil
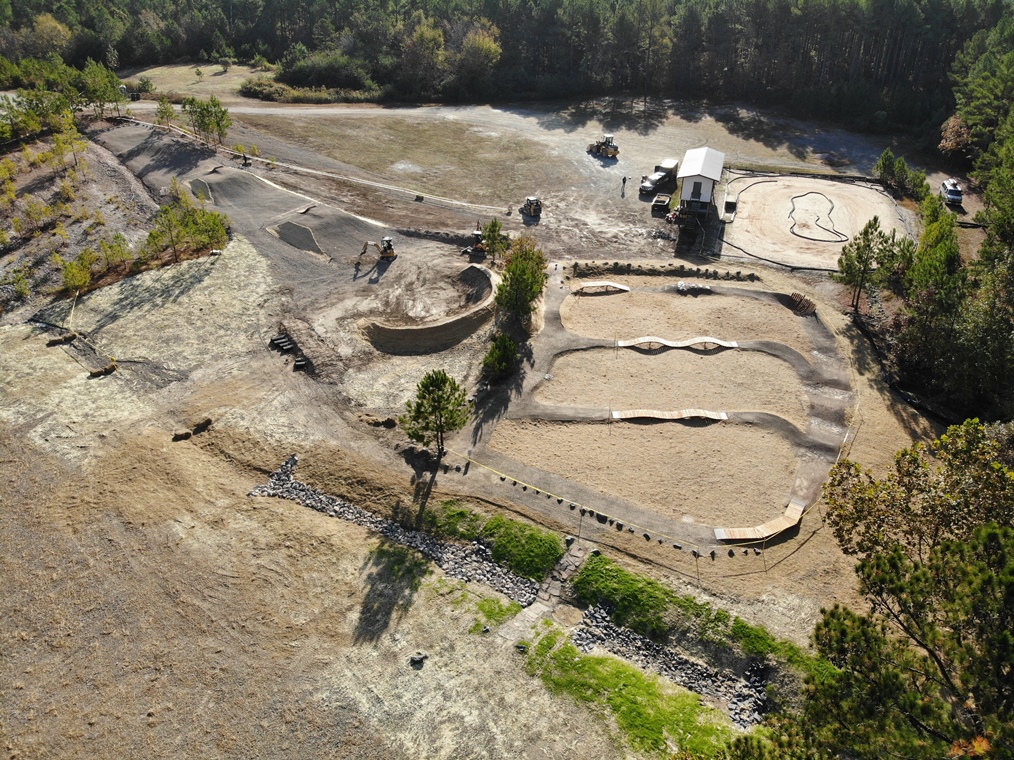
x=714, y=474
x=804, y=222
x=726, y=381
x=157, y=611
x=624, y=316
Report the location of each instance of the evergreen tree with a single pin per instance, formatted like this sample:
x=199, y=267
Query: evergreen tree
x=440, y=407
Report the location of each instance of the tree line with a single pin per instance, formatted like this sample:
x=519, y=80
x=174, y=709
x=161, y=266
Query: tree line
x=952, y=341
x=873, y=64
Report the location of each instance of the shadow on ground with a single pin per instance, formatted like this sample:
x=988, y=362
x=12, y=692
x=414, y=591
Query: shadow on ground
x=393, y=574
x=492, y=404
x=158, y=288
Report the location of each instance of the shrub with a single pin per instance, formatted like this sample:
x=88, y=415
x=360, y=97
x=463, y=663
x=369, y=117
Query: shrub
x=265, y=88
x=454, y=520
x=77, y=273
x=501, y=358
x=526, y=550
x=145, y=84
x=318, y=96
x=326, y=68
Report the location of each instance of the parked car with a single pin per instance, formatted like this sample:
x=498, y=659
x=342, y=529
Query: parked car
x=951, y=192
x=663, y=178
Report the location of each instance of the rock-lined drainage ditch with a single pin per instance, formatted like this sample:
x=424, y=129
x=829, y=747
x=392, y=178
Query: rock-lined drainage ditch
x=745, y=697
x=471, y=562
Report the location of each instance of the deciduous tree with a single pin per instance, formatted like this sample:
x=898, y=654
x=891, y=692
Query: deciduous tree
x=944, y=491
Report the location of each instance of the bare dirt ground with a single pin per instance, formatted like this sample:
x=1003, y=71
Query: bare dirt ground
x=727, y=381
x=681, y=472
x=805, y=222
x=155, y=609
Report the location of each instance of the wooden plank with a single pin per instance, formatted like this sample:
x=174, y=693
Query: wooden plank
x=602, y=284
x=682, y=414
x=648, y=339
x=792, y=516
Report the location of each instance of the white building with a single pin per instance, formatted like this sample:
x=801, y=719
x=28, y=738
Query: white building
x=699, y=172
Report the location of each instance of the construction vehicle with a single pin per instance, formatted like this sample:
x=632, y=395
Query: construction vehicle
x=532, y=206
x=478, y=248
x=605, y=147
x=385, y=248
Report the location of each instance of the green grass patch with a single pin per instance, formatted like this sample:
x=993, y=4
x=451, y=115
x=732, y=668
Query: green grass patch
x=638, y=603
x=526, y=550
x=645, y=606
x=757, y=641
x=494, y=612
x=454, y=520
x=647, y=712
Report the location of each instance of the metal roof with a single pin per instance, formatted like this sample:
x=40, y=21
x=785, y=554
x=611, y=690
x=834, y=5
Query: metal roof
x=702, y=162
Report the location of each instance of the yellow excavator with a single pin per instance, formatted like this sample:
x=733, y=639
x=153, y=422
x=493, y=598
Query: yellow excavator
x=385, y=248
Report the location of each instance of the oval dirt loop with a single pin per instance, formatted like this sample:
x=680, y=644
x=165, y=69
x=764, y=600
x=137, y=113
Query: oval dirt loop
x=728, y=380
x=803, y=221
x=741, y=471
x=708, y=473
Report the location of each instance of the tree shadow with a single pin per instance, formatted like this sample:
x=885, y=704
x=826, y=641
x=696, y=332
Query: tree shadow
x=166, y=153
x=869, y=359
x=627, y=112
x=492, y=401
x=138, y=295
x=758, y=127
x=393, y=574
x=425, y=466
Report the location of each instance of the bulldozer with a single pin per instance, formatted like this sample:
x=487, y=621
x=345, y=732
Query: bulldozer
x=606, y=147
x=532, y=206
x=385, y=248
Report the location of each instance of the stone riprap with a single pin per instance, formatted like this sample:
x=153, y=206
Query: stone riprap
x=745, y=697
x=467, y=562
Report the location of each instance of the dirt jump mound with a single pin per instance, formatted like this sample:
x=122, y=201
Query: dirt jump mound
x=440, y=335
x=297, y=236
